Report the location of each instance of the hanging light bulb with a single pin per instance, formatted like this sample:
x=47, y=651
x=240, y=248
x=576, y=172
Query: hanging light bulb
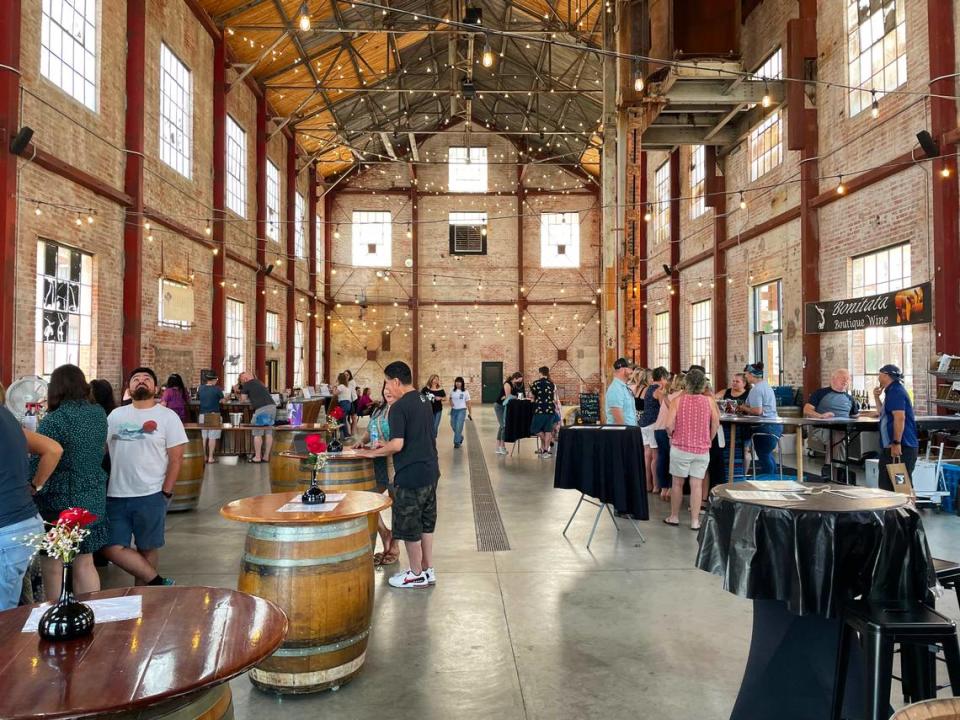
x=638, y=83
x=487, y=57
x=77, y=221
x=945, y=171
x=765, y=102
x=874, y=105
x=743, y=201
x=37, y=210
x=409, y=233
x=336, y=232
x=647, y=216
x=303, y=21
x=90, y=219
x=208, y=230
x=841, y=188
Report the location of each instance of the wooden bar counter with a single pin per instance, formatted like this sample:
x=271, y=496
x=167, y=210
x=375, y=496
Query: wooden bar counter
x=173, y=662
x=318, y=567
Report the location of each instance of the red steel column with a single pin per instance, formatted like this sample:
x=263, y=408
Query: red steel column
x=218, y=337
x=260, y=320
x=521, y=299
x=414, y=277
x=133, y=186
x=9, y=124
x=291, y=259
x=674, y=279
x=327, y=295
x=643, y=228
x=312, y=270
x=717, y=199
x=946, y=201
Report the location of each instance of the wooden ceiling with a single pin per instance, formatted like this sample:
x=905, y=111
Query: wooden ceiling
x=369, y=78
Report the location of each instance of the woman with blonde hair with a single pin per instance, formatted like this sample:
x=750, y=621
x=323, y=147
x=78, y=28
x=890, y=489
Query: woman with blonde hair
x=692, y=423
x=666, y=394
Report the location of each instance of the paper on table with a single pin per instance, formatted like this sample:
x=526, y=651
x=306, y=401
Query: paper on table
x=777, y=486
x=614, y=427
x=109, y=610
x=861, y=492
x=300, y=507
x=761, y=495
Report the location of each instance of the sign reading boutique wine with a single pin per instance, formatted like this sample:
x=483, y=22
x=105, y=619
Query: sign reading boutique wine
x=909, y=306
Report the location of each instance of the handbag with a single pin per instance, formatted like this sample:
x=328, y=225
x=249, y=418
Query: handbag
x=900, y=478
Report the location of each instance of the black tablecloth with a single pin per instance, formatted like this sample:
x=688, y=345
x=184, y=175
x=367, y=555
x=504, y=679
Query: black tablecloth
x=604, y=464
x=516, y=420
x=814, y=559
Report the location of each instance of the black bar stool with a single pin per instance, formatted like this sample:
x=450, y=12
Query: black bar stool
x=880, y=627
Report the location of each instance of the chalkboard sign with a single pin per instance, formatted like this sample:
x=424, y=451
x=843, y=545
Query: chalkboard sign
x=590, y=408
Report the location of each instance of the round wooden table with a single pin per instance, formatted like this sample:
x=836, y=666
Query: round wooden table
x=174, y=661
x=318, y=567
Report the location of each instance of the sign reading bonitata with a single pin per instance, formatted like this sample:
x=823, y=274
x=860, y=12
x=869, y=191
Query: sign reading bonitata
x=910, y=306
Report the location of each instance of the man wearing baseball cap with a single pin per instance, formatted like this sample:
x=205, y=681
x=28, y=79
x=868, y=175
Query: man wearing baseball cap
x=620, y=407
x=898, y=429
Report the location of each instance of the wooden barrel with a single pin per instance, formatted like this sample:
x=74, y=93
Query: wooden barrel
x=186, y=493
x=215, y=703
x=942, y=709
x=340, y=474
x=322, y=578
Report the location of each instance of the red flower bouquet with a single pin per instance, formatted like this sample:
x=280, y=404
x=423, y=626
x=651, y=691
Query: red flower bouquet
x=76, y=517
x=337, y=413
x=315, y=445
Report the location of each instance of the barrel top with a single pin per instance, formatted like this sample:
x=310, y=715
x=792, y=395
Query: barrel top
x=330, y=457
x=264, y=509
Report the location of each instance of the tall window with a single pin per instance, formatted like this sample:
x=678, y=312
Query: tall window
x=236, y=342
x=273, y=328
x=698, y=166
x=766, y=147
x=236, y=168
x=700, y=317
x=273, y=202
x=767, y=329
x=299, y=239
x=560, y=240
x=64, y=309
x=68, y=48
x=467, y=169
x=176, y=112
x=371, y=238
x=876, y=49
x=298, y=354
x=661, y=209
x=871, y=348
x=661, y=340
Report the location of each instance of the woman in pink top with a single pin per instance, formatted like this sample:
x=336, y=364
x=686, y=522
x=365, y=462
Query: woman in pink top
x=175, y=396
x=692, y=421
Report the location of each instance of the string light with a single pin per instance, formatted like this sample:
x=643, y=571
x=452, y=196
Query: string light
x=945, y=171
x=208, y=230
x=647, y=216
x=77, y=221
x=37, y=211
x=303, y=21
x=743, y=201
x=841, y=188
x=765, y=102
x=487, y=57
x=638, y=83
x=874, y=105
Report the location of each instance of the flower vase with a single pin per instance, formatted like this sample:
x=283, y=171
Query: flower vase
x=314, y=495
x=66, y=619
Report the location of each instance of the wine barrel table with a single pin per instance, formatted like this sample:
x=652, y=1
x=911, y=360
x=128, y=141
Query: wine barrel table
x=343, y=472
x=173, y=662
x=186, y=493
x=941, y=709
x=318, y=567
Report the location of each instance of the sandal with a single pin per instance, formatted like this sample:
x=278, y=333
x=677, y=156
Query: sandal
x=666, y=521
x=390, y=557
x=378, y=559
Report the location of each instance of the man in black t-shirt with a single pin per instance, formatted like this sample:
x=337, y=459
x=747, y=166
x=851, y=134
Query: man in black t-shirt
x=416, y=472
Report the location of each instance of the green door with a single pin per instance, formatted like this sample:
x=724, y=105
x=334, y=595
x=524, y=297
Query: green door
x=491, y=379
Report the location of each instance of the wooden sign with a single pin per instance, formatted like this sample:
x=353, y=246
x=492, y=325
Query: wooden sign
x=909, y=306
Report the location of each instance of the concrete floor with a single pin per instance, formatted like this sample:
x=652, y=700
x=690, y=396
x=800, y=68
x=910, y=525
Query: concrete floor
x=545, y=631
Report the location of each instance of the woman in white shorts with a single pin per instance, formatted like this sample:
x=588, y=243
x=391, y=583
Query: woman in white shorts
x=692, y=423
x=648, y=423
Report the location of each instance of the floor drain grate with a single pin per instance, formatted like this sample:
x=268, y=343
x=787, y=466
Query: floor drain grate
x=491, y=535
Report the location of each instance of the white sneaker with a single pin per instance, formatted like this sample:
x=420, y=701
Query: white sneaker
x=501, y=451
x=546, y=455
x=431, y=575
x=408, y=579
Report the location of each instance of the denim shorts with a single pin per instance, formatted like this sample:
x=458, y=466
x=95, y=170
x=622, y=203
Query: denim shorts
x=15, y=558
x=414, y=512
x=142, y=518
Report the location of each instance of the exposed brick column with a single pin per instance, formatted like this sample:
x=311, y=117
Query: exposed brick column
x=312, y=270
x=291, y=259
x=946, y=201
x=133, y=186
x=218, y=337
x=260, y=304
x=9, y=122
x=674, y=279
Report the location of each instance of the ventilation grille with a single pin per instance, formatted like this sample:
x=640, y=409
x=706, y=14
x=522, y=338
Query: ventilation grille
x=468, y=240
x=491, y=535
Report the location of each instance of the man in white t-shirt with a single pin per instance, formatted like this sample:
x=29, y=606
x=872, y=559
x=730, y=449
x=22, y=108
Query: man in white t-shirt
x=146, y=443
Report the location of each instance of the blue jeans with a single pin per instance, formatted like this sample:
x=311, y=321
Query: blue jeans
x=498, y=410
x=436, y=423
x=765, y=447
x=662, y=471
x=15, y=559
x=457, y=418
x=345, y=405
